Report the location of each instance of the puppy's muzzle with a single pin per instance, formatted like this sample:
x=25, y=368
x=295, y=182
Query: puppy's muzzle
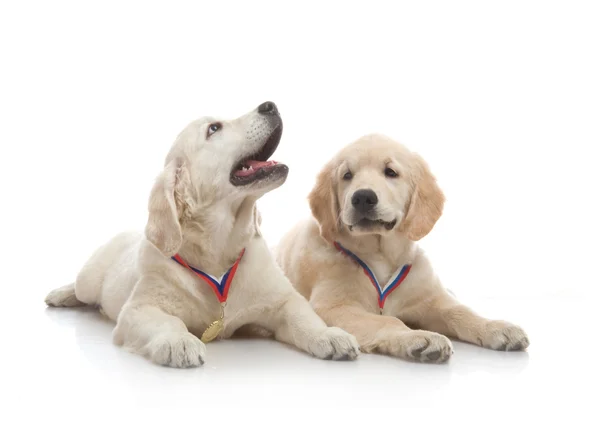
x=364, y=202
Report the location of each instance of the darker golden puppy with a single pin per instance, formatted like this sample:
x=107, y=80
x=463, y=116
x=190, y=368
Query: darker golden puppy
x=359, y=265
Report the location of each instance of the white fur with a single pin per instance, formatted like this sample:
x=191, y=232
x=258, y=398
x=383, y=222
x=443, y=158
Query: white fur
x=161, y=308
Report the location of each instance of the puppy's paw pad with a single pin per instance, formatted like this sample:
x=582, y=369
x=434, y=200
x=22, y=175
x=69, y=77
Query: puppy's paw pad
x=434, y=355
x=503, y=336
x=427, y=346
x=177, y=350
x=335, y=344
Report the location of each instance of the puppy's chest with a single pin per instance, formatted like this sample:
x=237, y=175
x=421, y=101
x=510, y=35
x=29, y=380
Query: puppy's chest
x=382, y=269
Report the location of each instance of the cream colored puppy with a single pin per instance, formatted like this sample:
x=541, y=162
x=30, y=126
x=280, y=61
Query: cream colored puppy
x=359, y=265
x=203, y=220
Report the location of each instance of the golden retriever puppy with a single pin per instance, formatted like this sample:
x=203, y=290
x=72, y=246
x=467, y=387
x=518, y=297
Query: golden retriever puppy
x=202, y=270
x=359, y=265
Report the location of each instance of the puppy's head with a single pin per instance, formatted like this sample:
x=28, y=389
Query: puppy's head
x=211, y=161
x=376, y=186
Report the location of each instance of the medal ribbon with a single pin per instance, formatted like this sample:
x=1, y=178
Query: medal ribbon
x=221, y=285
x=392, y=284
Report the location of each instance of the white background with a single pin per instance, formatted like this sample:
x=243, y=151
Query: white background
x=501, y=98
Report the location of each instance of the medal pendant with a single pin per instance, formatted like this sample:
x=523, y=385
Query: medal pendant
x=215, y=328
x=212, y=331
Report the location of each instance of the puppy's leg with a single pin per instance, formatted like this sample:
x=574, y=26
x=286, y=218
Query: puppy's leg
x=87, y=286
x=444, y=314
x=296, y=323
x=164, y=339
x=63, y=297
x=387, y=335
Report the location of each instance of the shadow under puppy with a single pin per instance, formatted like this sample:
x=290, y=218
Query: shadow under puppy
x=358, y=262
x=157, y=286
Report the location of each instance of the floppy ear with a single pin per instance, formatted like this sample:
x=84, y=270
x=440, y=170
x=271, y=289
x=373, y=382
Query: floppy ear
x=426, y=205
x=323, y=203
x=163, y=228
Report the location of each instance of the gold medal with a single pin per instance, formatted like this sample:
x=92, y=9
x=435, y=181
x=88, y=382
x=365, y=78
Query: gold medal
x=220, y=286
x=214, y=329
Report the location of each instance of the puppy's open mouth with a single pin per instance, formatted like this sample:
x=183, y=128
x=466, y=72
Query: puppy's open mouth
x=257, y=166
x=370, y=224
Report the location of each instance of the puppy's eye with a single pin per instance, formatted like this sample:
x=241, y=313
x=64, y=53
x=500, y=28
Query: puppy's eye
x=212, y=129
x=390, y=173
x=347, y=176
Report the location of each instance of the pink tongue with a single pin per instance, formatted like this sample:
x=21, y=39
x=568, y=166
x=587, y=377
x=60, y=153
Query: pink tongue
x=253, y=166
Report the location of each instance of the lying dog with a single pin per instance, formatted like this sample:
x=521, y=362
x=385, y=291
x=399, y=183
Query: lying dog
x=203, y=220
x=359, y=265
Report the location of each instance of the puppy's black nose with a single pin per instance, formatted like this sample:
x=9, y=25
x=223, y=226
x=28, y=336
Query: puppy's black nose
x=364, y=200
x=267, y=108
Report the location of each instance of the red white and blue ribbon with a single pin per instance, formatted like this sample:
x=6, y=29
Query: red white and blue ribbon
x=219, y=285
x=396, y=279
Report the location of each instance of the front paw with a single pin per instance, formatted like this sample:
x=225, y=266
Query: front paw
x=424, y=346
x=177, y=350
x=503, y=336
x=334, y=343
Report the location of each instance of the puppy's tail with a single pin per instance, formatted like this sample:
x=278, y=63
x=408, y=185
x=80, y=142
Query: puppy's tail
x=63, y=297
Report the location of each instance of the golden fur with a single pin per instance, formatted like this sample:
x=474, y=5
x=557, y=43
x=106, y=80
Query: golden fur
x=337, y=287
